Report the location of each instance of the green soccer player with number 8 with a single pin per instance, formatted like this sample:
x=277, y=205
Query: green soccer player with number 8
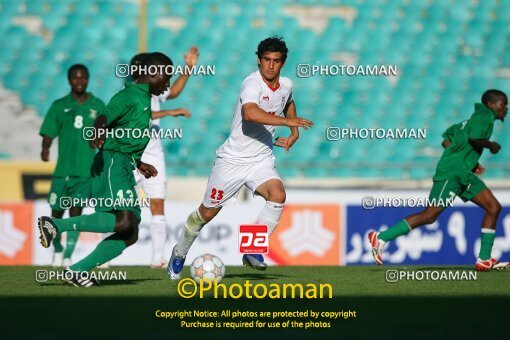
x=66, y=119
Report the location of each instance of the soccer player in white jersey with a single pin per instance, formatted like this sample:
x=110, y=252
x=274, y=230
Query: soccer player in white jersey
x=155, y=187
x=246, y=158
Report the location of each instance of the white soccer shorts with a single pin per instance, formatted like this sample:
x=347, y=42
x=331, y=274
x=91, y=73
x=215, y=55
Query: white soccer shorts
x=154, y=187
x=227, y=179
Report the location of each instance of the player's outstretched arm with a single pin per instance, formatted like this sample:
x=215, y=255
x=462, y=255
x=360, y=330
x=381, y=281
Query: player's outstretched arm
x=46, y=144
x=485, y=143
x=254, y=114
x=290, y=112
x=147, y=170
x=173, y=113
x=191, y=59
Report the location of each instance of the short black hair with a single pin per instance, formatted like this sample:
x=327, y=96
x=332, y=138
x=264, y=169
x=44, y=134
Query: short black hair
x=272, y=44
x=157, y=58
x=77, y=67
x=491, y=96
x=138, y=60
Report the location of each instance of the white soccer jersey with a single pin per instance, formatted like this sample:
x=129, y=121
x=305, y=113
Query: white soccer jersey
x=155, y=100
x=154, y=150
x=252, y=142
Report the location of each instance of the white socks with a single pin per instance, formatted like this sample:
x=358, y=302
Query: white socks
x=191, y=229
x=270, y=215
x=158, y=236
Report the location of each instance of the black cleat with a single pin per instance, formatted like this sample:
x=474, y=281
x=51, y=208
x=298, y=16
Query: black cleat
x=79, y=279
x=48, y=230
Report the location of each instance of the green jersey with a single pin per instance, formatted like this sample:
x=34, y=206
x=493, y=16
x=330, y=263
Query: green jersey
x=452, y=131
x=66, y=120
x=128, y=117
x=461, y=157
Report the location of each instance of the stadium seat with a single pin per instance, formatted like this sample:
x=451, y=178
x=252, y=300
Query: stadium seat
x=436, y=85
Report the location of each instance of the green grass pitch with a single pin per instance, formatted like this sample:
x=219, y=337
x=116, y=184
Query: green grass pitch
x=421, y=309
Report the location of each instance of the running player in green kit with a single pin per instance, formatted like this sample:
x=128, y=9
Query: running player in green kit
x=113, y=181
x=66, y=119
x=454, y=177
x=447, y=141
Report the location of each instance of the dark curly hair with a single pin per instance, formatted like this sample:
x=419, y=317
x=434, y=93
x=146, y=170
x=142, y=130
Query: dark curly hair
x=272, y=44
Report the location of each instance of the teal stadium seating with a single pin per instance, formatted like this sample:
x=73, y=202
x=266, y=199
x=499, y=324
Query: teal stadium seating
x=447, y=53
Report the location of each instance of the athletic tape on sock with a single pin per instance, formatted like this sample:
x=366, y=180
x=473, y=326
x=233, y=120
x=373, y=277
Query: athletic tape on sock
x=193, y=225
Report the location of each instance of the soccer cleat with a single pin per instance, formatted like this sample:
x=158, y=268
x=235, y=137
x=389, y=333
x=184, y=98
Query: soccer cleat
x=79, y=279
x=501, y=265
x=175, y=265
x=105, y=265
x=58, y=259
x=47, y=229
x=255, y=261
x=377, y=246
x=490, y=264
x=159, y=264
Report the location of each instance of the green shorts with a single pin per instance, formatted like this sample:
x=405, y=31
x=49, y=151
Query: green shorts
x=64, y=191
x=113, y=183
x=442, y=191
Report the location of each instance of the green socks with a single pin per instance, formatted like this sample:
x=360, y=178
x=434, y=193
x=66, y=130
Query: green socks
x=72, y=238
x=487, y=242
x=105, y=251
x=399, y=229
x=99, y=222
x=402, y=228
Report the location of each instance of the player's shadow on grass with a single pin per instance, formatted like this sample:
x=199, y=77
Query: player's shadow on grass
x=255, y=276
x=438, y=268
x=102, y=282
x=417, y=268
x=124, y=282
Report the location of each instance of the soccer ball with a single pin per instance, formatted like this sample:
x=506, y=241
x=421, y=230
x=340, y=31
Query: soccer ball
x=208, y=267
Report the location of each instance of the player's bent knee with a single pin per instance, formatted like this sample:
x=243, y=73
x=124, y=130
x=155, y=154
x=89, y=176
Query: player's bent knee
x=278, y=197
x=208, y=214
x=125, y=222
x=75, y=211
x=494, y=208
x=277, y=194
x=157, y=206
x=429, y=217
x=133, y=237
